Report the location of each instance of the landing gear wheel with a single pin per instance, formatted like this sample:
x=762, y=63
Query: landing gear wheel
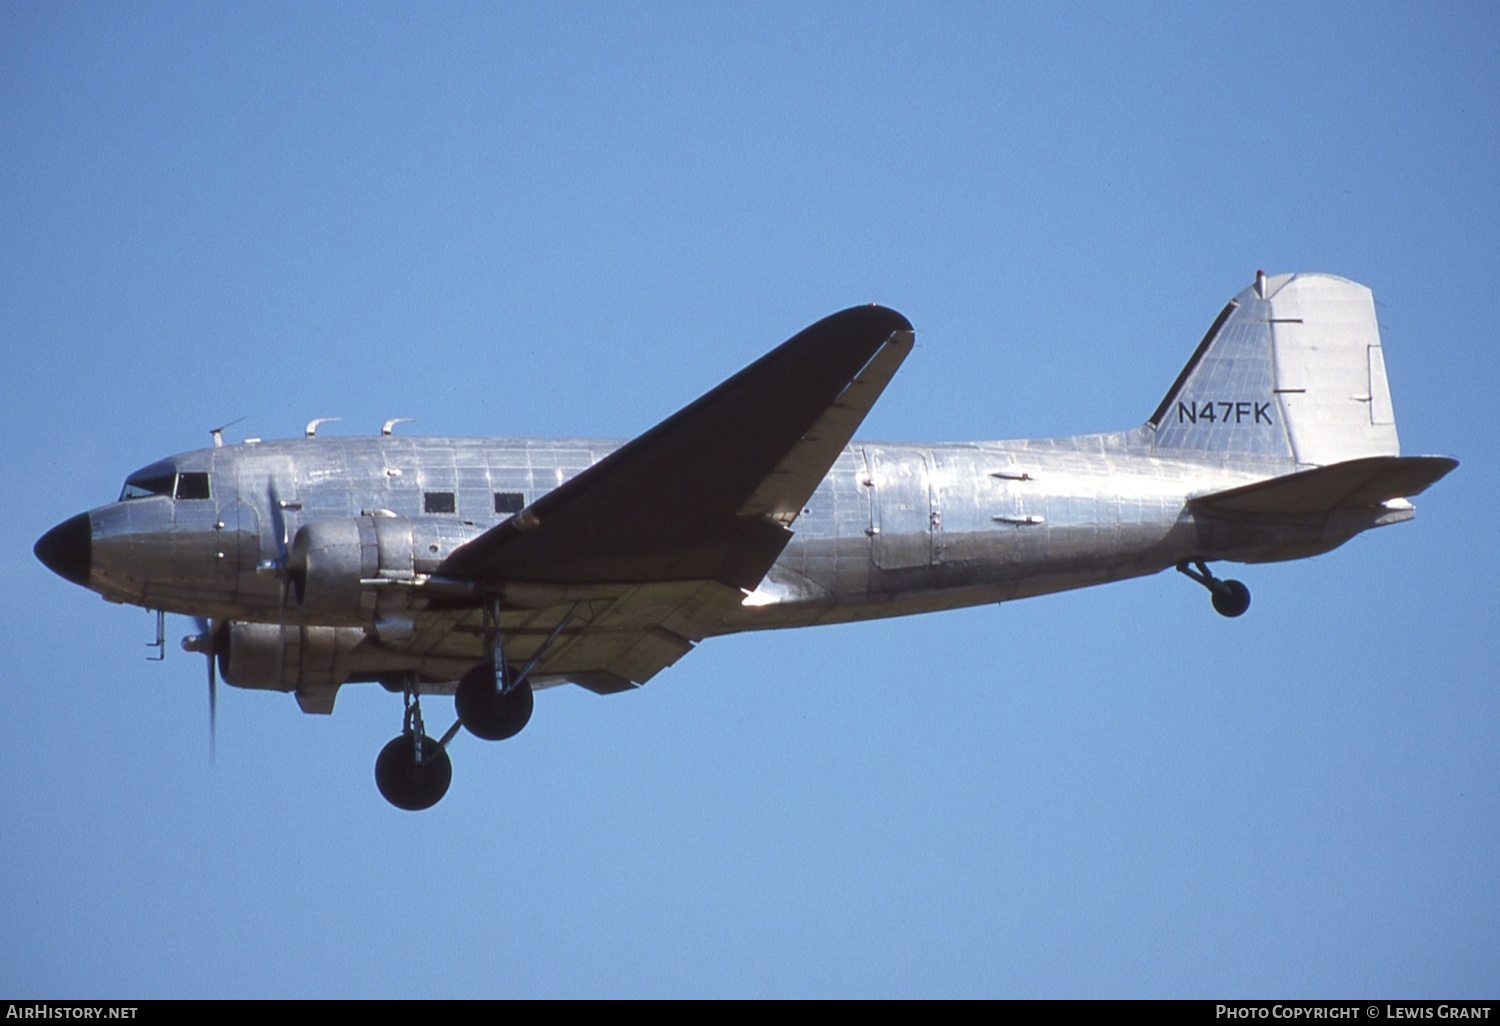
x=407, y=783
x=1231, y=598
x=485, y=712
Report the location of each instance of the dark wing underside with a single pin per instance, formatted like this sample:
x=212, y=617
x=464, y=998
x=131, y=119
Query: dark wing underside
x=709, y=493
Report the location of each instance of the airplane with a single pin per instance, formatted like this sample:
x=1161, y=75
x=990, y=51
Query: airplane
x=491, y=568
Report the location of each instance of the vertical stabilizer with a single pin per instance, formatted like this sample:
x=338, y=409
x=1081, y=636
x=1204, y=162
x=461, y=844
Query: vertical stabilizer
x=1292, y=370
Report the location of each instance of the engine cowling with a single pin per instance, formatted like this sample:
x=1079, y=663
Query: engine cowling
x=270, y=657
x=352, y=570
x=307, y=660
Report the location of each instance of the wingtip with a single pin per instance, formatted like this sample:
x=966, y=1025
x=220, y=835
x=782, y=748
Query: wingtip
x=872, y=316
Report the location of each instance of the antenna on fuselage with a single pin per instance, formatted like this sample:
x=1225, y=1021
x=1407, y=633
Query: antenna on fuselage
x=312, y=426
x=218, y=433
x=390, y=425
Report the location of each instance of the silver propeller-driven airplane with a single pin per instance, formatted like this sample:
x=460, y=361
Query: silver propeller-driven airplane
x=487, y=568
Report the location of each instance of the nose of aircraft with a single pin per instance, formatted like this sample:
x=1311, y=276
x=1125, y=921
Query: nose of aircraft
x=67, y=549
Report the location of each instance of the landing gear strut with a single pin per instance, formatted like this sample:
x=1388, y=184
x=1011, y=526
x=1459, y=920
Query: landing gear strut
x=1230, y=598
x=493, y=701
x=413, y=771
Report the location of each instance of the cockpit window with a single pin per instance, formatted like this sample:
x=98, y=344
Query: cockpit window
x=163, y=479
x=143, y=486
x=192, y=485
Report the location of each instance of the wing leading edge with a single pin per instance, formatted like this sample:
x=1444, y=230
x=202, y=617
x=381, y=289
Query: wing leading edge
x=708, y=494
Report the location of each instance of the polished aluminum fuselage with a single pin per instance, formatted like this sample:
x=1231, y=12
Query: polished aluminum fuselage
x=892, y=530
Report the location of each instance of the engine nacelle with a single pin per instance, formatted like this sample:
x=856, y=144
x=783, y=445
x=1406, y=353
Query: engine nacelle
x=351, y=569
x=256, y=655
x=313, y=660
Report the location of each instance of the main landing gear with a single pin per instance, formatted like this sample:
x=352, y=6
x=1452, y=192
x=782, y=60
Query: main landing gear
x=413, y=771
x=487, y=708
x=492, y=700
x=1230, y=598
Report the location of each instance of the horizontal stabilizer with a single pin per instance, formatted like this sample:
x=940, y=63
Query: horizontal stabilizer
x=1352, y=484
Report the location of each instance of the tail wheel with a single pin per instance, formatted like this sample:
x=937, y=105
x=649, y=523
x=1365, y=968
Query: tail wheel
x=1231, y=598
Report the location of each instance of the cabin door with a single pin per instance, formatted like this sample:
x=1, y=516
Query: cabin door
x=900, y=507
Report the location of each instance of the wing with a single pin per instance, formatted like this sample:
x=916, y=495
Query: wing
x=710, y=492
x=658, y=541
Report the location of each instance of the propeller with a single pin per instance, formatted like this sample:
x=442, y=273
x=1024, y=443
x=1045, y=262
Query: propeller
x=278, y=524
x=211, y=641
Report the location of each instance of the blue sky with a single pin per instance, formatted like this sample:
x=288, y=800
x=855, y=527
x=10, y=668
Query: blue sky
x=573, y=219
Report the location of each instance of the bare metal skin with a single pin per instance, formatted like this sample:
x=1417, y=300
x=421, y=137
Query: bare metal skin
x=317, y=562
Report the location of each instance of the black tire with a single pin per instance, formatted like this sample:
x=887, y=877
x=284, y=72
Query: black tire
x=1231, y=598
x=484, y=712
x=409, y=785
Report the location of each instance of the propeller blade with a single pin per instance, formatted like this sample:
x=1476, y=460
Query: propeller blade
x=207, y=641
x=213, y=709
x=278, y=525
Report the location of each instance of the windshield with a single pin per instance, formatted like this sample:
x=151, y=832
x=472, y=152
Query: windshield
x=139, y=486
x=163, y=479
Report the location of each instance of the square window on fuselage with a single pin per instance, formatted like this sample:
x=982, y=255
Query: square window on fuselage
x=509, y=502
x=438, y=502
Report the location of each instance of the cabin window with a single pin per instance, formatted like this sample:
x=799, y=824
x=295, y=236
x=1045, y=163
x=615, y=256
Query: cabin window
x=192, y=486
x=438, y=502
x=509, y=502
